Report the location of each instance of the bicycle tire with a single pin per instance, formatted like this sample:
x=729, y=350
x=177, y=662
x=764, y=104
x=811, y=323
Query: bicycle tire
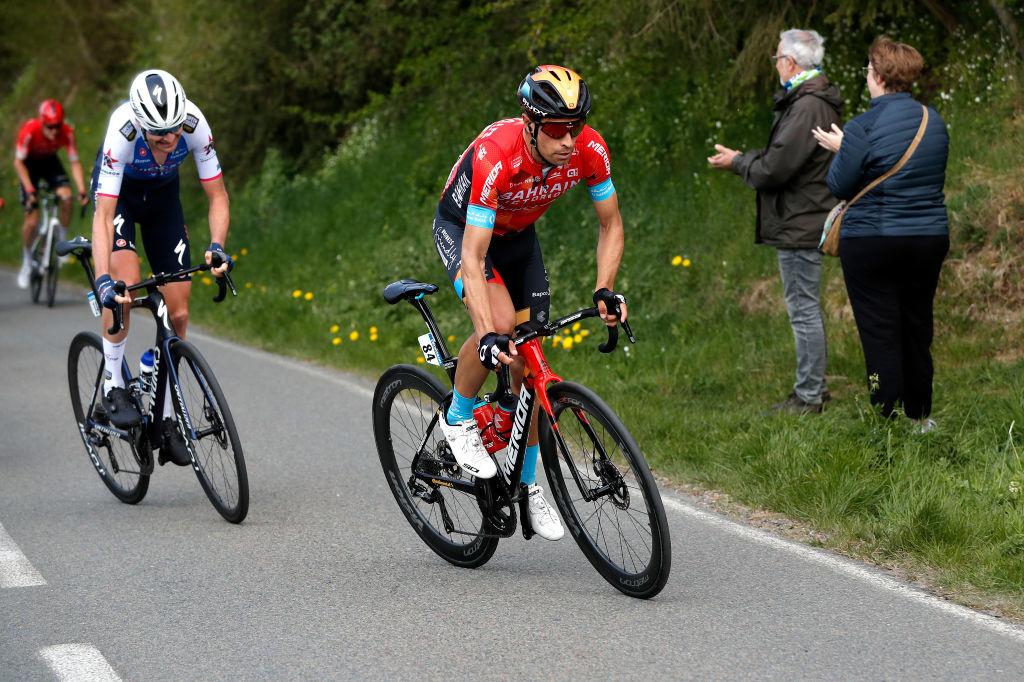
x=638, y=566
x=36, y=277
x=116, y=461
x=206, y=424
x=52, y=270
x=404, y=403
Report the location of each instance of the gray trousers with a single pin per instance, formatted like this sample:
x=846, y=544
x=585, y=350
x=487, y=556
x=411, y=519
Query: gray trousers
x=801, y=284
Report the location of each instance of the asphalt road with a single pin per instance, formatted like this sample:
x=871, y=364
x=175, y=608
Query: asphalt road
x=326, y=580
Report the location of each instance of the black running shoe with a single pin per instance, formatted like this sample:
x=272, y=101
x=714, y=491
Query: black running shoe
x=120, y=409
x=172, y=447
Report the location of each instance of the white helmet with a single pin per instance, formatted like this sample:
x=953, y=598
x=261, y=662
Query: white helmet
x=157, y=100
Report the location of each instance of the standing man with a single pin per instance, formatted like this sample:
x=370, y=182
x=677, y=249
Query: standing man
x=793, y=201
x=35, y=159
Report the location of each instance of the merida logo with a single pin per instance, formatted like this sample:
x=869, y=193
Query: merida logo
x=519, y=425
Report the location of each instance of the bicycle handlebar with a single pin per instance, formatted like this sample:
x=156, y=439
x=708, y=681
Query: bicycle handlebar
x=533, y=330
x=224, y=282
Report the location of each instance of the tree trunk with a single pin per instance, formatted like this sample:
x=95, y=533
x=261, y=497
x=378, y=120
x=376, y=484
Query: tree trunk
x=1009, y=25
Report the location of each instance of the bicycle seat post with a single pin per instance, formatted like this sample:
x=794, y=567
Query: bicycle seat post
x=443, y=354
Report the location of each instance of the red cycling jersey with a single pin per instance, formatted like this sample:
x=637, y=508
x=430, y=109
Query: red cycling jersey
x=497, y=184
x=32, y=143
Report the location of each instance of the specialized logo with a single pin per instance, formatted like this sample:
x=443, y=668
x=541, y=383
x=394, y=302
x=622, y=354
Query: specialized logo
x=158, y=95
x=180, y=250
x=128, y=130
x=191, y=121
x=161, y=312
x=118, y=224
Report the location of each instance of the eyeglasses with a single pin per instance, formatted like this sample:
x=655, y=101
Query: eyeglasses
x=777, y=57
x=55, y=126
x=164, y=131
x=559, y=130
x=868, y=69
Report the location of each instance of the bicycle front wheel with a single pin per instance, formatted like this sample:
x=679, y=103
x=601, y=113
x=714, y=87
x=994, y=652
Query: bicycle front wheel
x=36, y=278
x=605, y=491
x=406, y=405
x=52, y=269
x=209, y=431
x=118, y=461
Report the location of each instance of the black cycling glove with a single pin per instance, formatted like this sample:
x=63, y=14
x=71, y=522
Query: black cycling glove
x=490, y=346
x=612, y=300
x=106, y=291
x=217, y=251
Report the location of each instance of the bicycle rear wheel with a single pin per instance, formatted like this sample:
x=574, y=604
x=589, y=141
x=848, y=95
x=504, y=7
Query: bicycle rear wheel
x=118, y=461
x=613, y=509
x=52, y=268
x=209, y=431
x=405, y=406
x=36, y=278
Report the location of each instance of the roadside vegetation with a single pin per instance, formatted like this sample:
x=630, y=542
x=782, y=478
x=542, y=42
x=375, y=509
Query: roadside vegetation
x=336, y=151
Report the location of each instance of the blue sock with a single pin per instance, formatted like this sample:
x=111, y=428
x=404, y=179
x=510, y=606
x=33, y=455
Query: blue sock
x=461, y=408
x=530, y=464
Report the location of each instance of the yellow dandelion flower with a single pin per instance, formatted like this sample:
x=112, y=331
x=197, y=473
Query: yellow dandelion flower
x=373, y=330
x=334, y=328
x=373, y=337
x=567, y=343
x=420, y=360
x=353, y=336
x=576, y=326
x=336, y=340
x=207, y=281
x=234, y=256
x=677, y=260
x=263, y=288
x=556, y=340
x=451, y=337
x=297, y=293
x=566, y=332
x=584, y=332
x=248, y=285
x=244, y=251
x=686, y=262
x=308, y=296
x=577, y=338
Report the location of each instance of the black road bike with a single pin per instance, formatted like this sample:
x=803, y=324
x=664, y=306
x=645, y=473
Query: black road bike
x=124, y=457
x=602, y=485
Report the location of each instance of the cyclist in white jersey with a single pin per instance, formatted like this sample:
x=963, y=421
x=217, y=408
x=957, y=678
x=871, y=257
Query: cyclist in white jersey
x=135, y=180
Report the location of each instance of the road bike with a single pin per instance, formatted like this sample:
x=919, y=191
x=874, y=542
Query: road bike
x=45, y=263
x=600, y=480
x=124, y=457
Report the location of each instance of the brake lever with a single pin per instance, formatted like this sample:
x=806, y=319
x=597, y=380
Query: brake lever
x=628, y=330
x=224, y=282
x=119, y=288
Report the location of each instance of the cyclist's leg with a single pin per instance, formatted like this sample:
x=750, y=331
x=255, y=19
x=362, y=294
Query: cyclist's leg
x=29, y=225
x=57, y=177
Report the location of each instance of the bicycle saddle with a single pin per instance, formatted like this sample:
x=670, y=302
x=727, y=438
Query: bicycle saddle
x=405, y=289
x=72, y=245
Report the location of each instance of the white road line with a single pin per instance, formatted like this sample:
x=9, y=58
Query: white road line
x=15, y=568
x=848, y=567
x=78, y=663
x=836, y=563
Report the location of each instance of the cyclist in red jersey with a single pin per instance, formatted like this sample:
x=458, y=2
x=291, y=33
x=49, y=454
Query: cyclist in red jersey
x=35, y=158
x=485, y=235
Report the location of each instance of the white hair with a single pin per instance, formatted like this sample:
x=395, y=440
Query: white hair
x=807, y=48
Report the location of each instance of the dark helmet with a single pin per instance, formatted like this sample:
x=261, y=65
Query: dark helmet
x=551, y=91
x=51, y=113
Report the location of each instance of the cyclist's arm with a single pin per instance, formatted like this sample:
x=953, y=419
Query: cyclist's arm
x=610, y=243
x=475, y=242
x=219, y=214
x=23, y=177
x=76, y=165
x=76, y=174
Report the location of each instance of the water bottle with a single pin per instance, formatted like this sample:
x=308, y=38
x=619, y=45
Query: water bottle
x=146, y=367
x=484, y=413
x=503, y=417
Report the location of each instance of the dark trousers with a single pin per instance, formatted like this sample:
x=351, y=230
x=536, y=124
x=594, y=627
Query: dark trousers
x=891, y=283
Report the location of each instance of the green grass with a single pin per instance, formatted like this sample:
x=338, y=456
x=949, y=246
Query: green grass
x=714, y=346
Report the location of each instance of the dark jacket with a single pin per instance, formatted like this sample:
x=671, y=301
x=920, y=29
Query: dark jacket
x=910, y=203
x=789, y=174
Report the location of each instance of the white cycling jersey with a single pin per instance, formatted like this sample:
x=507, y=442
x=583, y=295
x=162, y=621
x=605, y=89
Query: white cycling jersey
x=125, y=152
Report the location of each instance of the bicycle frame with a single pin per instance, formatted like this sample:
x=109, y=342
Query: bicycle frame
x=45, y=231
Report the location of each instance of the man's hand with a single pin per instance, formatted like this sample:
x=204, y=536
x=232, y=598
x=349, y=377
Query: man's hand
x=496, y=348
x=83, y=198
x=109, y=298
x=830, y=140
x=611, y=305
x=32, y=201
x=723, y=159
x=227, y=264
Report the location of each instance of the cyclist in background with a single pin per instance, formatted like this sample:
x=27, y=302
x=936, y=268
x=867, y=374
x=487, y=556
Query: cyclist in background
x=484, y=233
x=35, y=158
x=135, y=180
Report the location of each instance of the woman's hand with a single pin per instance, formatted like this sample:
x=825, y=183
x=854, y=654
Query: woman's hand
x=829, y=140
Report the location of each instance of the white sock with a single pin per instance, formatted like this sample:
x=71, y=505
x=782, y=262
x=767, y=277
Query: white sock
x=168, y=407
x=113, y=353
x=26, y=255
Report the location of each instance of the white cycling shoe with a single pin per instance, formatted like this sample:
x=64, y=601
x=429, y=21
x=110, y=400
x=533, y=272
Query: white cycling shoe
x=23, y=275
x=464, y=439
x=543, y=518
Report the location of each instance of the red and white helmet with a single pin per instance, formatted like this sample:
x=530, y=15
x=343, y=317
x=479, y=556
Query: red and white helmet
x=157, y=100
x=51, y=113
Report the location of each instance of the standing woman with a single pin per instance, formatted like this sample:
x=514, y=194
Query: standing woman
x=893, y=239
